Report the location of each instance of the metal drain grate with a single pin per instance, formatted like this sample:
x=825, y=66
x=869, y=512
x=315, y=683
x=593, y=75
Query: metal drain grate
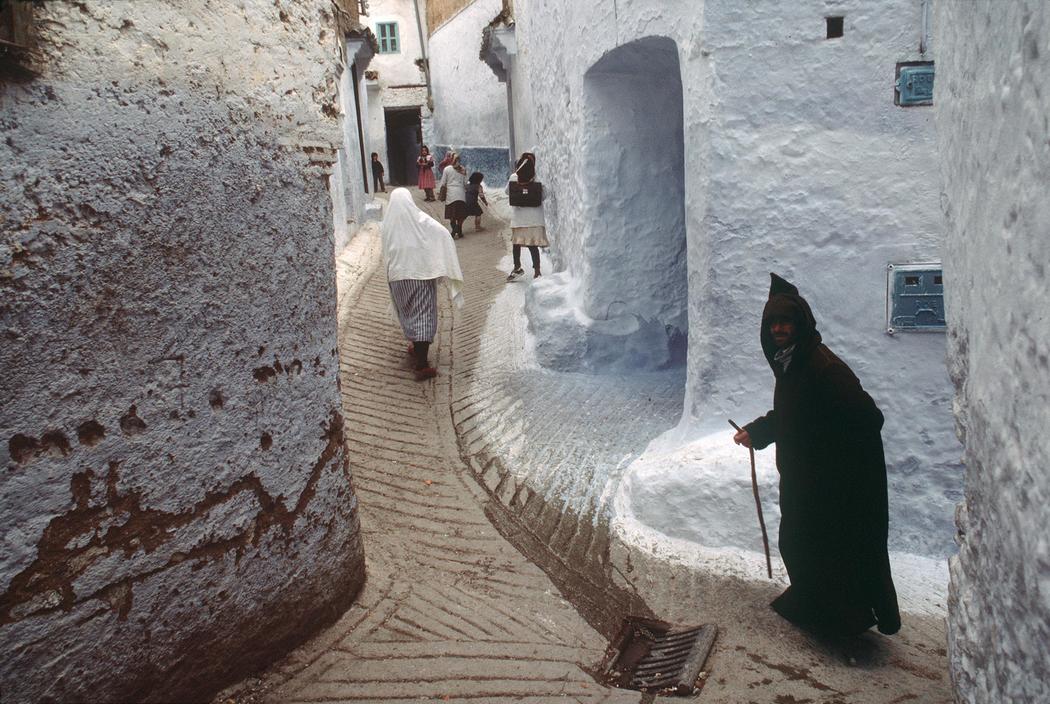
x=651, y=656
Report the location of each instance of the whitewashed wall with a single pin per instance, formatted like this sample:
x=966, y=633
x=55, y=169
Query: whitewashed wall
x=470, y=104
x=348, y=185
x=175, y=504
x=521, y=94
x=993, y=98
x=797, y=161
x=376, y=122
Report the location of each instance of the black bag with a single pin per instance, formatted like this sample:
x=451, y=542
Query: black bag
x=526, y=195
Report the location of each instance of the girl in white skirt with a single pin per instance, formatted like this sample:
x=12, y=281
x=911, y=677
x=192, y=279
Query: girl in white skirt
x=527, y=226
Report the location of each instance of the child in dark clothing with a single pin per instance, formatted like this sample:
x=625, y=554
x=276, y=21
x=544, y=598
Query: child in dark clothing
x=377, y=174
x=475, y=192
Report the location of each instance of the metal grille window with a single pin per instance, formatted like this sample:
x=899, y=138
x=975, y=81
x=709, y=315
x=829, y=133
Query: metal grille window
x=389, y=42
x=915, y=298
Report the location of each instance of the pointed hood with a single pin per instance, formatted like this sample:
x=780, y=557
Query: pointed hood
x=785, y=301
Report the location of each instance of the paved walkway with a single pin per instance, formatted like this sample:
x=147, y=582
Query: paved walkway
x=451, y=610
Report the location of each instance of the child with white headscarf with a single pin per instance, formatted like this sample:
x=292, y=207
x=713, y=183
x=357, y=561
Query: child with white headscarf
x=418, y=252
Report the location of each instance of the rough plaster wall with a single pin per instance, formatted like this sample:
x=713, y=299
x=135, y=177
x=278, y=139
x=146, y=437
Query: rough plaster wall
x=635, y=253
x=349, y=194
x=993, y=99
x=797, y=162
x=176, y=501
x=376, y=122
x=470, y=104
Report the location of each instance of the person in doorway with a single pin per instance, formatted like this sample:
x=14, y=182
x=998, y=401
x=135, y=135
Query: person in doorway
x=377, y=174
x=425, y=164
x=833, y=497
x=418, y=253
x=454, y=185
x=527, y=225
x=476, y=193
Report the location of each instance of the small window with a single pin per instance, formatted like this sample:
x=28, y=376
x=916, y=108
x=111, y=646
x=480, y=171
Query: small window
x=834, y=26
x=389, y=42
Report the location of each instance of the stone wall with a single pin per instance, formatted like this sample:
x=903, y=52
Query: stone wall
x=992, y=98
x=176, y=505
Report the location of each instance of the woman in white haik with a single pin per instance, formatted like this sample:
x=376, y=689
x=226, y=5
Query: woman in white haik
x=527, y=225
x=418, y=252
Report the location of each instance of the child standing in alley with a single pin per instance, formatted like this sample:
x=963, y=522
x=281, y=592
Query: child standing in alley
x=475, y=192
x=527, y=225
x=377, y=174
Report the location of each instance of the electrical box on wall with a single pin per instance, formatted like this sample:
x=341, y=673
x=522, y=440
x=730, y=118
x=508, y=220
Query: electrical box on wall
x=914, y=298
x=914, y=84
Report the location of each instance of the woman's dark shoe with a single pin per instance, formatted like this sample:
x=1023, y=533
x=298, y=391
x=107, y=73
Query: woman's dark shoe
x=426, y=373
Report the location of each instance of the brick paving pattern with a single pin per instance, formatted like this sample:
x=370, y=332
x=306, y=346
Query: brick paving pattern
x=451, y=611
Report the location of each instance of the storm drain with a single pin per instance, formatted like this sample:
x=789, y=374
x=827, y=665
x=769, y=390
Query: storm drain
x=652, y=656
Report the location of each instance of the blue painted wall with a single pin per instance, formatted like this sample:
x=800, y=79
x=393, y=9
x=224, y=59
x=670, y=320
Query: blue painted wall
x=494, y=162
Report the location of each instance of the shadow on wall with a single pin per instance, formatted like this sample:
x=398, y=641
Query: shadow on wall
x=623, y=305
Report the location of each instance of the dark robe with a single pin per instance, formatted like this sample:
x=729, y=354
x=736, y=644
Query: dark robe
x=834, y=511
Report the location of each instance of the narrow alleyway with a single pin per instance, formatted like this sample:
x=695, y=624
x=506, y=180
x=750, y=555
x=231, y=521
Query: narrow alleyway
x=452, y=611
x=450, y=608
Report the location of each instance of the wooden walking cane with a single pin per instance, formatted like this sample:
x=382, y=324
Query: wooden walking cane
x=758, y=505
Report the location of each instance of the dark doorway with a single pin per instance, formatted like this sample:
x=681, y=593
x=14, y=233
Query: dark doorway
x=404, y=135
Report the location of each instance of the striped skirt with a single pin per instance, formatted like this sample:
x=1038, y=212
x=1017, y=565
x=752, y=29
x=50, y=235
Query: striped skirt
x=415, y=301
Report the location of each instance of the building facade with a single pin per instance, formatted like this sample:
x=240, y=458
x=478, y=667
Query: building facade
x=397, y=86
x=470, y=104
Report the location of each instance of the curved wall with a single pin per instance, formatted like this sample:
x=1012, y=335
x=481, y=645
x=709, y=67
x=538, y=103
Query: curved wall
x=176, y=501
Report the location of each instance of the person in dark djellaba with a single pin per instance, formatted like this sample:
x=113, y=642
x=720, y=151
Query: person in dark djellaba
x=833, y=499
